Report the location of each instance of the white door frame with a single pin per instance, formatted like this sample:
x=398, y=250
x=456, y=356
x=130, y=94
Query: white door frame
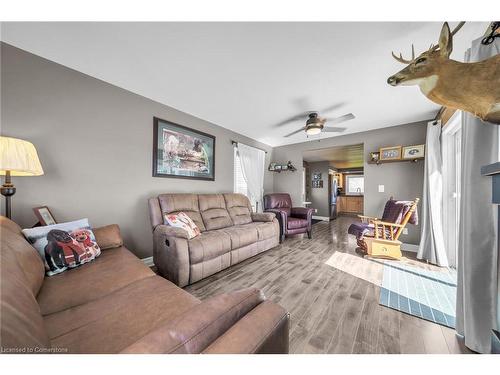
x=451, y=156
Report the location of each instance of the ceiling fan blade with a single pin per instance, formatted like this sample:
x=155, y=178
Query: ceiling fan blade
x=295, y=132
x=298, y=117
x=338, y=120
x=333, y=130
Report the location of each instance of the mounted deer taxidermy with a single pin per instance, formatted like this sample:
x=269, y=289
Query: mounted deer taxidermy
x=471, y=87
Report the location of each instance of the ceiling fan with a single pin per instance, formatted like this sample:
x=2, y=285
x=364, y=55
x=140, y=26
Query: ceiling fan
x=316, y=124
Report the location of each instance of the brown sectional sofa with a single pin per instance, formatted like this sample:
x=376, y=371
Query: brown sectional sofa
x=231, y=233
x=117, y=304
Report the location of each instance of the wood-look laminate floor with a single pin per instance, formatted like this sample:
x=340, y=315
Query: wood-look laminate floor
x=332, y=294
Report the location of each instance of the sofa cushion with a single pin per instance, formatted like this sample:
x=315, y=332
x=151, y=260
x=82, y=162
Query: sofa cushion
x=111, y=323
x=187, y=203
x=296, y=223
x=239, y=208
x=208, y=245
x=213, y=211
x=113, y=270
x=26, y=255
x=242, y=235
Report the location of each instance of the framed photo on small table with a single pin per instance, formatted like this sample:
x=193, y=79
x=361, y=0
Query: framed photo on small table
x=44, y=215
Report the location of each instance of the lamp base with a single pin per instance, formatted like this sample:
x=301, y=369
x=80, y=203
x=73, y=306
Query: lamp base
x=7, y=190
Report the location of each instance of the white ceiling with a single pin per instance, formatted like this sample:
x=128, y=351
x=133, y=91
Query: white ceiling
x=248, y=77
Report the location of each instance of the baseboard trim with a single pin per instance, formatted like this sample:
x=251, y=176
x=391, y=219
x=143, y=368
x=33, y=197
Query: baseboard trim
x=409, y=247
x=148, y=261
x=323, y=218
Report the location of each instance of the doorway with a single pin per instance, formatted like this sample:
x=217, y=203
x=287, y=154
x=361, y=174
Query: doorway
x=334, y=181
x=452, y=166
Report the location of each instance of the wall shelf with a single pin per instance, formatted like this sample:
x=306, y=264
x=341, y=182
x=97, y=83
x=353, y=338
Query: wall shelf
x=278, y=168
x=395, y=161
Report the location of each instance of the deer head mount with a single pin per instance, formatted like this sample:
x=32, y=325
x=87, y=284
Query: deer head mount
x=471, y=87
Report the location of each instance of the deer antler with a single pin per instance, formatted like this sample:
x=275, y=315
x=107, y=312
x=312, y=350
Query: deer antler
x=432, y=47
x=404, y=61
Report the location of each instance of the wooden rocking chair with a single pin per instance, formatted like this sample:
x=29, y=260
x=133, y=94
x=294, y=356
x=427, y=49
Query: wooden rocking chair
x=383, y=242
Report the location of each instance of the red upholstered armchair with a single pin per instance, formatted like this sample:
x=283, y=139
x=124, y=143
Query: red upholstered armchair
x=293, y=220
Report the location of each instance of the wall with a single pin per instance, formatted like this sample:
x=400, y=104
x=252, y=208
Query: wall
x=95, y=144
x=319, y=196
x=401, y=180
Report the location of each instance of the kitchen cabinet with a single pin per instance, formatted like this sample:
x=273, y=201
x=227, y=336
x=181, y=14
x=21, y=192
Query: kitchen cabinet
x=352, y=204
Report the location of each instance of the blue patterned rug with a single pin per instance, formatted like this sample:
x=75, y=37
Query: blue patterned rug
x=429, y=295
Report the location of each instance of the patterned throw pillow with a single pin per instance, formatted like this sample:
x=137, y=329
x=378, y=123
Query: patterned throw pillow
x=182, y=220
x=65, y=245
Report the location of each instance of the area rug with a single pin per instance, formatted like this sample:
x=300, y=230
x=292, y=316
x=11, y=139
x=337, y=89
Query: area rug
x=429, y=295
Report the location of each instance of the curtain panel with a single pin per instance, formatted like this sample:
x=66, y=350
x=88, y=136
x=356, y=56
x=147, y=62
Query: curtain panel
x=432, y=247
x=253, y=167
x=477, y=290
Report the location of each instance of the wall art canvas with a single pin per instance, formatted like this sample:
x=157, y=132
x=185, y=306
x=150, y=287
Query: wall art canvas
x=181, y=152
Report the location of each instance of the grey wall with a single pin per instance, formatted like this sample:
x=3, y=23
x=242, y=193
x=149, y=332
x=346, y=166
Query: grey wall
x=95, y=144
x=319, y=196
x=402, y=180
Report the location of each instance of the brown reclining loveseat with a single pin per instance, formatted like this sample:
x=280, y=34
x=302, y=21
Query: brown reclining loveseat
x=116, y=304
x=230, y=233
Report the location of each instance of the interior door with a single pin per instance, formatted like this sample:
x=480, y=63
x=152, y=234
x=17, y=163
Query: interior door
x=452, y=150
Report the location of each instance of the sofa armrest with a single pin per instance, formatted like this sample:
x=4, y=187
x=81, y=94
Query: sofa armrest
x=108, y=237
x=265, y=329
x=171, y=254
x=170, y=231
x=282, y=217
x=263, y=216
x=301, y=212
x=197, y=328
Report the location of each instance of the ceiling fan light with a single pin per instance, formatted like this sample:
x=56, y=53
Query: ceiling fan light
x=313, y=130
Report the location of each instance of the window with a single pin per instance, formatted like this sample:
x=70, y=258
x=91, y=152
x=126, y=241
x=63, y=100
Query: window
x=240, y=185
x=355, y=184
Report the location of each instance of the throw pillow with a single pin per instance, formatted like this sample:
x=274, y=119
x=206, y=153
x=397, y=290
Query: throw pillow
x=182, y=220
x=65, y=245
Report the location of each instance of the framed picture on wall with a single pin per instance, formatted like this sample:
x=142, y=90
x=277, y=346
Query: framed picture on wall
x=316, y=176
x=390, y=153
x=44, y=215
x=414, y=152
x=374, y=156
x=182, y=152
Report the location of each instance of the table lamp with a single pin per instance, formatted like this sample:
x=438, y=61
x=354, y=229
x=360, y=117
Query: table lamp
x=17, y=158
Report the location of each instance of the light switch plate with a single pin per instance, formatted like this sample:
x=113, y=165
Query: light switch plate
x=381, y=188
x=405, y=230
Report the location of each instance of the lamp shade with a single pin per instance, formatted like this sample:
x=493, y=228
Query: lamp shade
x=19, y=157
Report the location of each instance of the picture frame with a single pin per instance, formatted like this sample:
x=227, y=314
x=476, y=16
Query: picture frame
x=44, y=215
x=414, y=152
x=390, y=153
x=272, y=167
x=317, y=184
x=182, y=152
x=374, y=156
x=316, y=176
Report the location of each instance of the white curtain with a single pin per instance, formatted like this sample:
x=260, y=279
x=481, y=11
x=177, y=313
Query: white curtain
x=432, y=246
x=477, y=249
x=253, y=165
